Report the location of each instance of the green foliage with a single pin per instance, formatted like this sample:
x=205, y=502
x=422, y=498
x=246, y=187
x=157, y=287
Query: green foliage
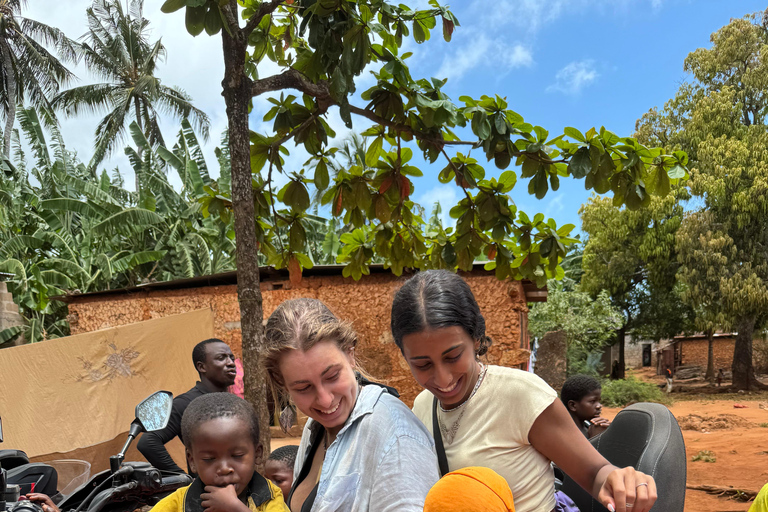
x=323, y=46
x=581, y=361
x=632, y=256
x=622, y=392
x=719, y=118
x=588, y=323
x=704, y=456
x=71, y=231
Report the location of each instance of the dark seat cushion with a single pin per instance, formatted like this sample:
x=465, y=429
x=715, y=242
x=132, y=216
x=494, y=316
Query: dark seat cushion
x=647, y=437
x=10, y=459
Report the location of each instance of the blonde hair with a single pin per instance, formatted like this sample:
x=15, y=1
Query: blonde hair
x=300, y=324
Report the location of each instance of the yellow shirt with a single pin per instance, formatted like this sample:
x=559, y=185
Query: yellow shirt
x=269, y=498
x=761, y=501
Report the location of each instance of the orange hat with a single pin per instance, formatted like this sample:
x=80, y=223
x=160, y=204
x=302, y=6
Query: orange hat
x=470, y=489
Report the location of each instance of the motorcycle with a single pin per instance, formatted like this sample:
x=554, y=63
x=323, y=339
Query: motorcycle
x=124, y=487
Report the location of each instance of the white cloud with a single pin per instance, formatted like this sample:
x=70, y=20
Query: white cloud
x=574, y=77
x=482, y=52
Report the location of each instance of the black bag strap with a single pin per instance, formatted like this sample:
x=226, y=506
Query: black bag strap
x=442, y=460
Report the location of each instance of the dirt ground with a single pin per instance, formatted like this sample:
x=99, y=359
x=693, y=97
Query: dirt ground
x=738, y=437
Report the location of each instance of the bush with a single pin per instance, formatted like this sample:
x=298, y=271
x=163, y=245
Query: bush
x=584, y=362
x=704, y=456
x=619, y=393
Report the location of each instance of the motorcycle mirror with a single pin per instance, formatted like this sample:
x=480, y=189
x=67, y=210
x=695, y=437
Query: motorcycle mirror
x=154, y=411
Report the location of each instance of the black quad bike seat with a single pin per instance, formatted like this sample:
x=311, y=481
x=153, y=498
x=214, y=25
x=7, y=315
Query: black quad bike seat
x=10, y=459
x=647, y=437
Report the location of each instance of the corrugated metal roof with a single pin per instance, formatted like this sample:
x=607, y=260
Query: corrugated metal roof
x=532, y=292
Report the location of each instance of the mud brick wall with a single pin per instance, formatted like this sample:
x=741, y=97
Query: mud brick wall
x=366, y=303
x=695, y=353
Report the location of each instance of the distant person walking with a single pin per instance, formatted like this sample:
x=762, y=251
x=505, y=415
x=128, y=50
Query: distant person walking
x=215, y=366
x=668, y=374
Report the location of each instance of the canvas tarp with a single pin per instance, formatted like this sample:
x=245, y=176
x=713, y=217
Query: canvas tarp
x=75, y=397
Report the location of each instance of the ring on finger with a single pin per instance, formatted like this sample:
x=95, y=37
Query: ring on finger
x=629, y=505
x=642, y=484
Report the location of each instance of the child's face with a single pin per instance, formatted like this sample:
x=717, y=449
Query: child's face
x=588, y=407
x=280, y=474
x=222, y=453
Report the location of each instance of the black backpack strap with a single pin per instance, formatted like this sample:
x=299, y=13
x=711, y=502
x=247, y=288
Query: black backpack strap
x=442, y=460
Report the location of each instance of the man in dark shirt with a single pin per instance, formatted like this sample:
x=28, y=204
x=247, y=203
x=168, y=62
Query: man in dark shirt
x=215, y=365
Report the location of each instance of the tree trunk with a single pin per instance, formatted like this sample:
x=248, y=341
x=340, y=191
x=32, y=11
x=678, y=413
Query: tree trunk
x=710, y=375
x=10, y=115
x=236, y=92
x=743, y=371
x=139, y=149
x=622, y=334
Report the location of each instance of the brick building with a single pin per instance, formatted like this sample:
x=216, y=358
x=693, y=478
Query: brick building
x=692, y=350
x=366, y=303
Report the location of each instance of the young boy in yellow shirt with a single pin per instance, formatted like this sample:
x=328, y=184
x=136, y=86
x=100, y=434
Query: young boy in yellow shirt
x=221, y=434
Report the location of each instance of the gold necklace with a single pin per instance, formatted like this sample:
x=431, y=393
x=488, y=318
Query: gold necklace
x=450, y=433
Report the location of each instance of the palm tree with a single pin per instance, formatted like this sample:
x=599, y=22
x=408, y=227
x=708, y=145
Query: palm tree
x=117, y=49
x=29, y=72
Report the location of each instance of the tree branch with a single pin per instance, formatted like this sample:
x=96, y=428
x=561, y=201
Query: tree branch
x=230, y=14
x=292, y=79
x=264, y=9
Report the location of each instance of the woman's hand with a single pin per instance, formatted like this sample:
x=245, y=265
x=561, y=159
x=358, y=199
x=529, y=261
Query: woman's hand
x=43, y=500
x=627, y=490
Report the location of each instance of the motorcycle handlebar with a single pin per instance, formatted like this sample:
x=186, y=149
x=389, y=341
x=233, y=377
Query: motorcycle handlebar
x=170, y=483
x=166, y=484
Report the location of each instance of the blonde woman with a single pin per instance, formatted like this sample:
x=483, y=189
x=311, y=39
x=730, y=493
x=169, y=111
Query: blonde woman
x=362, y=449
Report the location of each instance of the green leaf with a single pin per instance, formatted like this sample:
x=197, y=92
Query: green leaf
x=580, y=164
x=507, y=180
x=69, y=205
x=213, y=20
x=374, y=151
x=195, y=20
x=20, y=244
x=126, y=220
x=134, y=260
x=170, y=6
x=10, y=333
x=575, y=134
x=321, y=175
x=676, y=173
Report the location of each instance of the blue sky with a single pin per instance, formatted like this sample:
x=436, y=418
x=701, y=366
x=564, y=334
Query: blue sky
x=559, y=63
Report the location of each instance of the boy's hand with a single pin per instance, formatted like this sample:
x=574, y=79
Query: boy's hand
x=43, y=500
x=598, y=426
x=221, y=499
